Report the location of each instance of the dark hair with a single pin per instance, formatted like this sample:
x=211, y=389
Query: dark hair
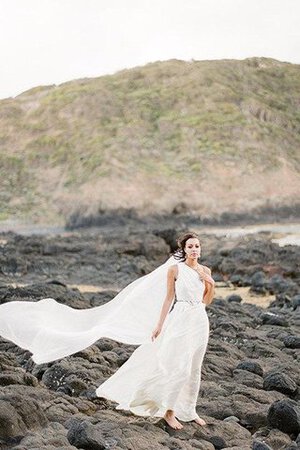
x=181, y=240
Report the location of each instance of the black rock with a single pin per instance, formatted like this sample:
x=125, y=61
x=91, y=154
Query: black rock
x=258, y=445
x=234, y=298
x=278, y=381
x=258, y=280
x=282, y=300
x=285, y=415
x=251, y=366
x=54, y=377
x=291, y=341
x=296, y=301
x=217, y=441
x=278, y=284
x=236, y=279
x=85, y=435
x=270, y=318
x=100, y=298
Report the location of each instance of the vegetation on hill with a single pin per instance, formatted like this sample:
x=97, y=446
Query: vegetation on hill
x=218, y=135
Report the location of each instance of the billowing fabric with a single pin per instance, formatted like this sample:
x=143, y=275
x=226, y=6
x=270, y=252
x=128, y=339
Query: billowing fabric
x=51, y=330
x=166, y=373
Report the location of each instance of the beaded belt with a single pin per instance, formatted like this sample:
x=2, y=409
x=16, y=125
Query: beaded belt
x=192, y=302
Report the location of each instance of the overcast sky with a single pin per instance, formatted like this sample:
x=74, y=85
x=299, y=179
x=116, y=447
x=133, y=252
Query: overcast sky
x=52, y=41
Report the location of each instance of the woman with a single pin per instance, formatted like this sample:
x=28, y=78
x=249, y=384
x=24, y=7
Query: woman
x=162, y=376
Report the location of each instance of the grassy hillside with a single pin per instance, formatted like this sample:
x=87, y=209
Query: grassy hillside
x=217, y=135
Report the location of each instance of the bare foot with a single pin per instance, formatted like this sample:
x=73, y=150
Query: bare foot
x=200, y=421
x=171, y=420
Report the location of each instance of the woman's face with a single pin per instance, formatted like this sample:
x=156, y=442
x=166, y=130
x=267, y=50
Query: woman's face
x=192, y=248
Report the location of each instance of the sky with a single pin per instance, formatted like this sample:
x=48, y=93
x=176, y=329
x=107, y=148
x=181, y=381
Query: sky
x=46, y=42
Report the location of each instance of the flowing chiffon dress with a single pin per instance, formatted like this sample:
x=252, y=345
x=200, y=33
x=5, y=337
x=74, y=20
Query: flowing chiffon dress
x=166, y=373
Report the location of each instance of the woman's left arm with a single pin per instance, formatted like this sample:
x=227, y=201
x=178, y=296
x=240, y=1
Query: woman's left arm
x=209, y=291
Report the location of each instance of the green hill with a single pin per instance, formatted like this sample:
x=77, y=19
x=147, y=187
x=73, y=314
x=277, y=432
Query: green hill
x=217, y=135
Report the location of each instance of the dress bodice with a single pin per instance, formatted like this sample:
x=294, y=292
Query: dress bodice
x=188, y=286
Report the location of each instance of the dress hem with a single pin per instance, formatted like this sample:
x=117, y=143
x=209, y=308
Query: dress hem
x=128, y=408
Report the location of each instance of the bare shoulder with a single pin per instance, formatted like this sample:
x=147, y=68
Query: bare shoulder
x=206, y=269
x=173, y=271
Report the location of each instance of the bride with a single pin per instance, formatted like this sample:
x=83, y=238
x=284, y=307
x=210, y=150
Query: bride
x=163, y=312
x=162, y=378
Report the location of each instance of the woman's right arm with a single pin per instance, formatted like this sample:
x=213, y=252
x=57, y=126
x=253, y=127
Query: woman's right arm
x=171, y=277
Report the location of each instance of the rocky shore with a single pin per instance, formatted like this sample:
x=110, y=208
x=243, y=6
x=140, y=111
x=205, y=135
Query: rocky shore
x=249, y=394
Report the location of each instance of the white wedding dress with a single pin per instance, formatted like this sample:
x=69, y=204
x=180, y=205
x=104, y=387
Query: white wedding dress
x=166, y=373
x=160, y=374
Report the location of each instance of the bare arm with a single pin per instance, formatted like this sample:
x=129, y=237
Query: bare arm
x=209, y=293
x=171, y=276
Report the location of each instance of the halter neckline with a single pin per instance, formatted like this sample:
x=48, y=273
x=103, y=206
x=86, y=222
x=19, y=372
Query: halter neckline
x=190, y=267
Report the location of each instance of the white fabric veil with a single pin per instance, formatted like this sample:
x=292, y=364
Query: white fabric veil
x=51, y=330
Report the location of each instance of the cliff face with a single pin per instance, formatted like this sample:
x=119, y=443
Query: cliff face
x=217, y=135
